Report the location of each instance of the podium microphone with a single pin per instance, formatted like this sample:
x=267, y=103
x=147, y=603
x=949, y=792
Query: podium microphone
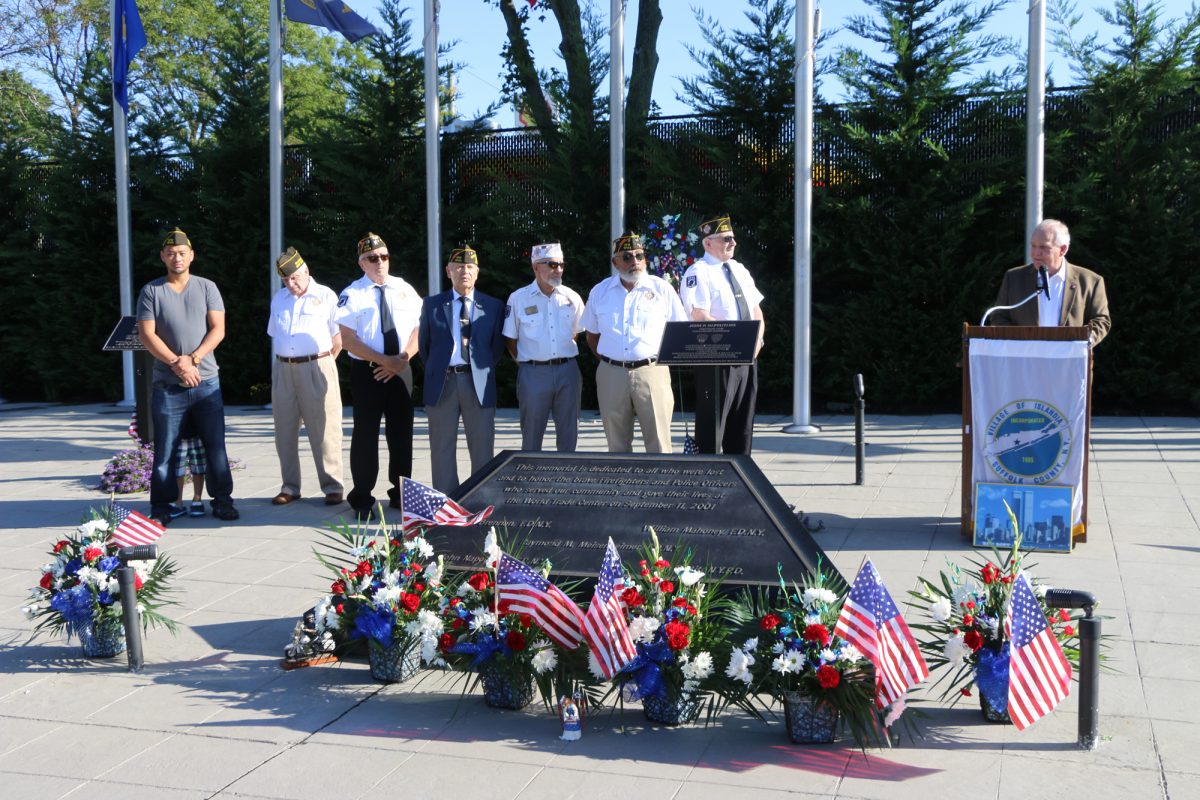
x=1043, y=280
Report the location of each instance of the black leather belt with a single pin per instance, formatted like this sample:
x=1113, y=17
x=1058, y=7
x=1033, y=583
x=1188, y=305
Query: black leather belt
x=301, y=359
x=645, y=362
x=551, y=363
x=459, y=369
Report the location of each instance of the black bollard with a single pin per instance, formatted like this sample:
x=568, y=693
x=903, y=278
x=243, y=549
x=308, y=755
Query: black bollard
x=859, y=421
x=127, y=578
x=1089, y=661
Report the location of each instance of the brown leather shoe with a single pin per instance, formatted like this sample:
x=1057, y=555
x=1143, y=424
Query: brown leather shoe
x=334, y=499
x=283, y=498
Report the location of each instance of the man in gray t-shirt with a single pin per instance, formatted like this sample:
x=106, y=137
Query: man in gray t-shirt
x=181, y=320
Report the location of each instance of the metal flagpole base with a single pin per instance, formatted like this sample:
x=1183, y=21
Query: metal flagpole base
x=793, y=428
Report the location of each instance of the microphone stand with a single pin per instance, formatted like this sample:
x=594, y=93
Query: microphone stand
x=988, y=313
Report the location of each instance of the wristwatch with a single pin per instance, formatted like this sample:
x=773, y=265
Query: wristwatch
x=196, y=360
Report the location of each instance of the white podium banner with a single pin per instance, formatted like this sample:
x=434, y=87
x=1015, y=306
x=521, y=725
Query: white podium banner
x=1029, y=413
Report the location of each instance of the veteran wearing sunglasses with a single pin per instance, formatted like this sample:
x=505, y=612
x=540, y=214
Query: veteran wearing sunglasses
x=624, y=319
x=379, y=314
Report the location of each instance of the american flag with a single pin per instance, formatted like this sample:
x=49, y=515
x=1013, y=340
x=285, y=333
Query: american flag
x=133, y=428
x=425, y=506
x=871, y=622
x=1039, y=675
x=133, y=528
x=604, y=625
x=690, y=448
x=527, y=592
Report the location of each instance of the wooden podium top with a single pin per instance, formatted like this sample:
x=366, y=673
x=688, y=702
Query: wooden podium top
x=1025, y=333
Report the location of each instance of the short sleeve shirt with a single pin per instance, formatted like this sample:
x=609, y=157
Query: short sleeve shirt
x=630, y=323
x=544, y=327
x=180, y=320
x=304, y=325
x=705, y=286
x=358, y=310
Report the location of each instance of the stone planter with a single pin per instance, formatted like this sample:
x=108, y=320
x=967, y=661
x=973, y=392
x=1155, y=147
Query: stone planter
x=678, y=711
x=102, y=640
x=500, y=691
x=809, y=720
x=396, y=663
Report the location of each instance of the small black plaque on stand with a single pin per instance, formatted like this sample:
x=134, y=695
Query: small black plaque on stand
x=564, y=506
x=124, y=337
x=692, y=344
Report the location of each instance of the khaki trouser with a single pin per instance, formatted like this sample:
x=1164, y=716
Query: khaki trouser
x=308, y=393
x=644, y=392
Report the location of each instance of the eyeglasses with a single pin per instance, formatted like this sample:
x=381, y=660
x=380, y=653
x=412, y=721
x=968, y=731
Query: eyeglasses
x=724, y=239
x=630, y=257
x=375, y=259
x=551, y=265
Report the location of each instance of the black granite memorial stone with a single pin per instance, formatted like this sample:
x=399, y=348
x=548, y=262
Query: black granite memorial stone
x=564, y=507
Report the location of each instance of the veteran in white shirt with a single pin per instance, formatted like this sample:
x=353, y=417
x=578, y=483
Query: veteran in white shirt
x=305, y=340
x=624, y=319
x=541, y=324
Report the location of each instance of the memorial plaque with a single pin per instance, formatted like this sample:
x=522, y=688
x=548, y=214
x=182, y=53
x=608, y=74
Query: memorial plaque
x=691, y=344
x=124, y=336
x=564, y=506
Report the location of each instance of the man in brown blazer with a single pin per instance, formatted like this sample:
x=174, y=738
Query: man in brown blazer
x=1074, y=296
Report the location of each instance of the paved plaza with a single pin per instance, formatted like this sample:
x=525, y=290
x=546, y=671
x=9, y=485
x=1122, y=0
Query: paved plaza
x=213, y=715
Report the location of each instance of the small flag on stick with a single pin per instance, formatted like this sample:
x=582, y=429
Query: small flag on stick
x=134, y=528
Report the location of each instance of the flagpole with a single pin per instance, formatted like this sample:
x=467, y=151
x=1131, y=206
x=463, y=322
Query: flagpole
x=433, y=183
x=1035, y=119
x=275, y=140
x=124, y=260
x=616, y=117
x=802, y=311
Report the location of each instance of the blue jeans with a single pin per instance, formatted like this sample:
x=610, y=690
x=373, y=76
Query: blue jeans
x=204, y=409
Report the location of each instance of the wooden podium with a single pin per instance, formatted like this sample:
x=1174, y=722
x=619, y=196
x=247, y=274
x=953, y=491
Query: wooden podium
x=1017, y=333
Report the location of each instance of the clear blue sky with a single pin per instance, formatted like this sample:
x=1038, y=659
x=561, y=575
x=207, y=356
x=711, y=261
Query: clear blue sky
x=478, y=30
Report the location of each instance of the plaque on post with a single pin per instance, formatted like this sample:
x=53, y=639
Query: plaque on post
x=125, y=337
x=564, y=507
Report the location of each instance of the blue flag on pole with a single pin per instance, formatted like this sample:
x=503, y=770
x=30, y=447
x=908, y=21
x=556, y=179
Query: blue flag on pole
x=331, y=14
x=128, y=38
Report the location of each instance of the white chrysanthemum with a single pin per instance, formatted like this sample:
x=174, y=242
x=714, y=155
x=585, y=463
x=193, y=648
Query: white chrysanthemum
x=424, y=548
x=491, y=548
x=94, y=529
x=333, y=622
x=320, y=610
x=481, y=618
x=692, y=238
x=828, y=656
x=796, y=659
x=641, y=629
x=699, y=667
x=433, y=573
x=956, y=651
x=392, y=577
x=112, y=586
x=594, y=667
x=57, y=568
x=30, y=611
x=777, y=647
x=359, y=552
x=940, y=609
x=544, y=660
x=815, y=596
x=688, y=576
x=87, y=575
x=143, y=569
x=739, y=666
x=849, y=653
x=992, y=624
x=667, y=220
x=782, y=664
x=425, y=624
x=812, y=619
x=387, y=596
x=1040, y=590
x=690, y=686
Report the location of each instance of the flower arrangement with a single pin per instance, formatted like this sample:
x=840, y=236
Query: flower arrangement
x=967, y=609
x=675, y=624
x=791, y=650
x=78, y=592
x=670, y=248
x=387, y=590
x=506, y=651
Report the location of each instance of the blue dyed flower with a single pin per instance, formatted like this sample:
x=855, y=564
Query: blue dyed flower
x=109, y=564
x=374, y=623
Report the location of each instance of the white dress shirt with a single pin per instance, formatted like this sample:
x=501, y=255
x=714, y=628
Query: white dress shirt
x=630, y=323
x=705, y=286
x=1050, y=310
x=358, y=309
x=544, y=326
x=304, y=325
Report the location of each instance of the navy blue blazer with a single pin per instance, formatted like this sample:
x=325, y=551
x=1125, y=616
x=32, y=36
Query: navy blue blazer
x=435, y=342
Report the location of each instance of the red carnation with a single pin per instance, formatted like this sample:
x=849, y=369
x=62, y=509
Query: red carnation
x=457, y=623
x=965, y=692
x=526, y=620
x=970, y=604
x=770, y=622
x=480, y=581
x=1069, y=630
x=364, y=568
x=968, y=619
x=645, y=572
x=989, y=573
x=455, y=601
x=642, y=563
x=340, y=608
x=816, y=633
x=1006, y=579
x=59, y=545
x=680, y=602
x=666, y=587
x=418, y=587
x=47, y=580
x=445, y=642
x=395, y=542
x=631, y=598
x=828, y=677
x=691, y=608
x=411, y=602
x=662, y=563
x=677, y=634
x=338, y=587
x=1063, y=616
x=515, y=641
x=973, y=640
x=92, y=553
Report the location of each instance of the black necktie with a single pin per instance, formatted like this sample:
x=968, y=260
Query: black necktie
x=391, y=342
x=742, y=306
x=464, y=329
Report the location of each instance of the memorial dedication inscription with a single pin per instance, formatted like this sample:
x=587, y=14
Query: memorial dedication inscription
x=563, y=507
